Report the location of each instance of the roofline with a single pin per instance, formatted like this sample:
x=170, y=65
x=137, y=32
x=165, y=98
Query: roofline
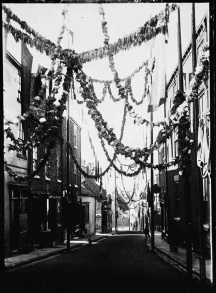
x=188, y=48
x=13, y=60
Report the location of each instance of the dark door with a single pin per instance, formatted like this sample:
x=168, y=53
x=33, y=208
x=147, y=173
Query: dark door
x=15, y=227
x=19, y=219
x=83, y=218
x=23, y=219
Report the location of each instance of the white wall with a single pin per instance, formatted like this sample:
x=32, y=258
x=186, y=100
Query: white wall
x=12, y=109
x=91, y=225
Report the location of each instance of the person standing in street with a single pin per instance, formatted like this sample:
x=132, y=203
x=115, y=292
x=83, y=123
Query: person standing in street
x=146, y=232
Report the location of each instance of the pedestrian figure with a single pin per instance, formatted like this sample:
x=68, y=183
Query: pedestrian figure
x=146, y=232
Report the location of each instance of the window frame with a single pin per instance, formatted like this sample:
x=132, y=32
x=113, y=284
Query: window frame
x=19, y=87
x=34, y=158
x=21, y=136
x=87, y=213
x=47, y=169
x=75, y=136
x=75, y=175
x=59, y=168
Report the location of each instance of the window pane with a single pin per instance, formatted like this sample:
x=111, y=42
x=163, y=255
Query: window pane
x=75, y=135
x=35, y=157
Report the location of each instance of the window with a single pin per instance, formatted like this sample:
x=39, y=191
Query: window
x=21, y=198
x=75, y=136
x=23, y=202
x=20, y=130
x=87, y=213
x=177, y=201
x=19, y=87
x=48, y=87
x=185, y=83
x=35, y=158
x=191, y=115
x=175, y=87
x=176, y=147
x=206, y=188
x=59, y=167
x=44, y=214
x=199, y=49
x=170, y=149
x=21, y=136
x=206, y=205
x=75, y=175
x=174, y=142
x=47, y=172
x=47, y=169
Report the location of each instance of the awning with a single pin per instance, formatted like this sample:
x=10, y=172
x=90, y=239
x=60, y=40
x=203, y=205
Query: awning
x=86, y=192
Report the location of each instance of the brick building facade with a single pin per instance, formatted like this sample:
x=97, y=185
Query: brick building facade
x=186, y=198
x=35, y=210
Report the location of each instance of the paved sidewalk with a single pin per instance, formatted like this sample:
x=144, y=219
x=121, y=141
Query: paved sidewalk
x=41, y=253
x=179, y=257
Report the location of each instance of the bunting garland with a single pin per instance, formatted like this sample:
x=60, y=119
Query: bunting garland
x=150, y=29
x=201, y=74
x=24, y=25
x=18, y=35
x=145, y=63
x=49, y=126
x=156, y=25
x=66, y=65
x=139, y=120
x=115, y=167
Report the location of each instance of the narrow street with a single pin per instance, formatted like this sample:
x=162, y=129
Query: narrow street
x=108, y=129
x=120, y=262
